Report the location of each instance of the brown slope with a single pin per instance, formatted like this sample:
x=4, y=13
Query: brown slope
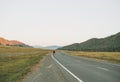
x=4, y=41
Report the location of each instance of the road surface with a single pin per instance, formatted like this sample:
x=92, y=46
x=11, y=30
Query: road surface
x=61, y=67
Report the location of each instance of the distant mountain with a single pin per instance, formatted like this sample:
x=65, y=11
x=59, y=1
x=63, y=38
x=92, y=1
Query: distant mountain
x=111, y=43
x=6, y=42
x=38, y=46
x=54, y=47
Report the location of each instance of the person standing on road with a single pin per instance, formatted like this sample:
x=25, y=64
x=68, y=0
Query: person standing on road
x=53, y=52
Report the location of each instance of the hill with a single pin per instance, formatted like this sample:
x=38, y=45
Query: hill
x=111, y=43
x=6, y=42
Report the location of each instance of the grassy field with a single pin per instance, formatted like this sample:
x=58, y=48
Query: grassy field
x=15, y=62
x=109, y=56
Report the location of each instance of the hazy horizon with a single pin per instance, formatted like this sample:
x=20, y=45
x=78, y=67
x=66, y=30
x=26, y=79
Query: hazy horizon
x=61, y=22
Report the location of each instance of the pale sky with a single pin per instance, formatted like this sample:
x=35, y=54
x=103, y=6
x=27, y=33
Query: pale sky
x=58, y=22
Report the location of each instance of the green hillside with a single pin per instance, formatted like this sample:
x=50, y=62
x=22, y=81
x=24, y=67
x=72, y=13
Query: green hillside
x=111, y=43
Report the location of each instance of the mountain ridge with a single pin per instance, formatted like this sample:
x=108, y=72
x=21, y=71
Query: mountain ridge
x=6, y=42
x=110, y=43
x=52, y=47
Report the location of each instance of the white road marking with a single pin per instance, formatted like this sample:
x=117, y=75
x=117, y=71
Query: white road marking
x=36, y=77
x=49, y=66
x=103, y=68
x=67, y=69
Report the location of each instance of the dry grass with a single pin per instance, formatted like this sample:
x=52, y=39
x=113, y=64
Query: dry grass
x=15, y=62
x=109, y=56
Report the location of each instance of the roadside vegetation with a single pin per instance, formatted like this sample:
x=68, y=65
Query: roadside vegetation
x=109, y=56
x=15, y=62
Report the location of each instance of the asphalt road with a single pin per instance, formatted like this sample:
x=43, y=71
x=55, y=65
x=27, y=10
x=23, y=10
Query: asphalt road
x=61, y=67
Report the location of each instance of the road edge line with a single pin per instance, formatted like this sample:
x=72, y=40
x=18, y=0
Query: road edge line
x=105, y=69
x=66, y=69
